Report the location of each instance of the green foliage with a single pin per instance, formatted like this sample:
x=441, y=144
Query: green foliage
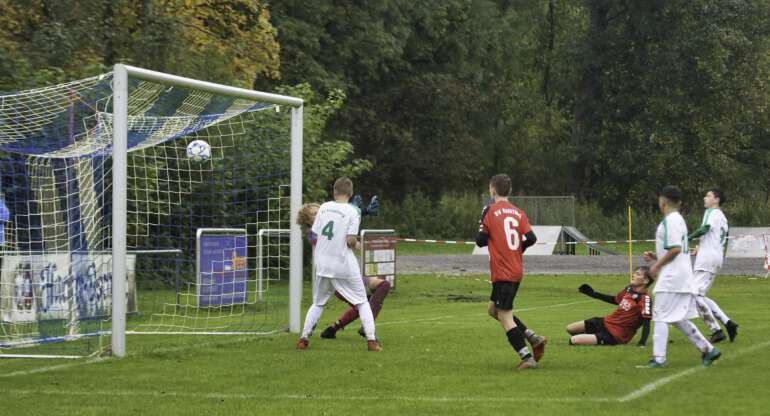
x=324, y=160
x=48, y=42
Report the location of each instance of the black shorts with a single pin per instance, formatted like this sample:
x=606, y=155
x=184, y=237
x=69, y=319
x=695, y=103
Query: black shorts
x=596, y=327
x=503, y=294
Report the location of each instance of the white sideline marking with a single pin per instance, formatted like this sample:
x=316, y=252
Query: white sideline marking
x=650, y=387
x=438, y=318
x=308, y=396
x=558, y=305
x=51, y=368
x=100, y=359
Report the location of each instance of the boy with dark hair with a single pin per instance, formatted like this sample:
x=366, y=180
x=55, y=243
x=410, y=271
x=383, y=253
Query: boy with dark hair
x=506, y=230
x=634, y=310
x=675, y=290
x=709, y=257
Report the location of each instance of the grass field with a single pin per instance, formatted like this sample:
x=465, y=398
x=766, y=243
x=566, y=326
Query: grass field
x=442, y=355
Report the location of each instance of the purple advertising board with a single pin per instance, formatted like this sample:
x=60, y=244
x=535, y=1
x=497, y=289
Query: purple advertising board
x=222, y=269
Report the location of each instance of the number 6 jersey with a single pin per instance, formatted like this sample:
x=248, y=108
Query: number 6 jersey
x=506, y=225
x=332, y=257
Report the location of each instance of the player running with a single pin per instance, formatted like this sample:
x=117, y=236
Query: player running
x=634, y=310
x=709, y=256
x=675, y=291
x=336, y=225
x=506, y=230
x=379, y=288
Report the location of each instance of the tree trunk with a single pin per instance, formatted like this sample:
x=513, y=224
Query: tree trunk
x=587, y=97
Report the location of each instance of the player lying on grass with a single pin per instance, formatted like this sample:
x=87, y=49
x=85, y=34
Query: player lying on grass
x=709, y=256
x=379, y=288
x=634, y=310
x=505, y=229
x=336, y=267
x=676, y=288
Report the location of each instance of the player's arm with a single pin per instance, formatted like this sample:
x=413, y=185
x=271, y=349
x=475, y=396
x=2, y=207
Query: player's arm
x=645, y=333
x=352, y=231
x=526, y=230
x=482, y=239
x=666, y=259
x=529, y=240
x=702, y=230
x=674, y=236
x=646, y=311
x=589, y=291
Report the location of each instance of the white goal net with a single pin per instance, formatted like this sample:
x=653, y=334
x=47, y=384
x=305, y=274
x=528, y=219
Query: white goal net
x=175, y=234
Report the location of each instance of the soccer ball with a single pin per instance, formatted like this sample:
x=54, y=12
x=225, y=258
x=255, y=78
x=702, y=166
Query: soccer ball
x=198, y=151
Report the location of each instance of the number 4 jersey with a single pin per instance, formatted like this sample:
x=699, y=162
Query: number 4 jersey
x=506, y=225
x=332, y=257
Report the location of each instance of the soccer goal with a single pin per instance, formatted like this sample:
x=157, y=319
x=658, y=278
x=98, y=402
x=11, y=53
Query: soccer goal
x=110, y=211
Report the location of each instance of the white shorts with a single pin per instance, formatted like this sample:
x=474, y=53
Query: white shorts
x=703, y=281
x=352, y=289
x=672, y=307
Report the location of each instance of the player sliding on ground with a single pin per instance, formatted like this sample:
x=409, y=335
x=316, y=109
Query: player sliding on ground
x=634, y=310
x=336, y=225
x=675, y=290
x=709, y=256
x=506, y=230
x=379, y=287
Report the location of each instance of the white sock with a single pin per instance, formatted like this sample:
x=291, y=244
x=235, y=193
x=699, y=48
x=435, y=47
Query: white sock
x=311, y=319
x=716, y=310
x=705, y=313
x=367, y=319
x=694, y=335
x=659, y=341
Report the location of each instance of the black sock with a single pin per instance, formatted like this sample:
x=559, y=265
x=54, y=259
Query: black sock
x=516, y=339
x=520, y=324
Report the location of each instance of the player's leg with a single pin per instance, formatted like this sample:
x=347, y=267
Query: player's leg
x=709, y=353
x=576, y=328
x=536, y=341
x=322, y=291
x=659, y=344
x=584, y=339
x=704, y=279
x=353, y=290
x=350, y=315
x=732, y=327
x=503, y=295
x=708, y=318
x=380, y=289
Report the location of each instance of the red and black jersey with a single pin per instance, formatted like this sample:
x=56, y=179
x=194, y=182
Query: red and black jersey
x=633, y=308
x=506, y=225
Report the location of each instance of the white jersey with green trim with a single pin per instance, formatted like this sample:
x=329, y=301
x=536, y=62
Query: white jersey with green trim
x=676, y=276
x=332, y=257
x=712, y=244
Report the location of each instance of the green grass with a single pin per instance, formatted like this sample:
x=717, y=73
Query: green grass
x=404, y=248
x=442, y=356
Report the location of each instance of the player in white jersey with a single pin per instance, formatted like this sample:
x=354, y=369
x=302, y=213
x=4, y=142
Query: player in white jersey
x=675, y=289
x=336, y=225
x=709, y=256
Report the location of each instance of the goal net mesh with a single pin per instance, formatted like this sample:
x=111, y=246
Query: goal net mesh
x=197, y=262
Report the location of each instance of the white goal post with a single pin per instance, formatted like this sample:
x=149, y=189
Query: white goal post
x=122, y=74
